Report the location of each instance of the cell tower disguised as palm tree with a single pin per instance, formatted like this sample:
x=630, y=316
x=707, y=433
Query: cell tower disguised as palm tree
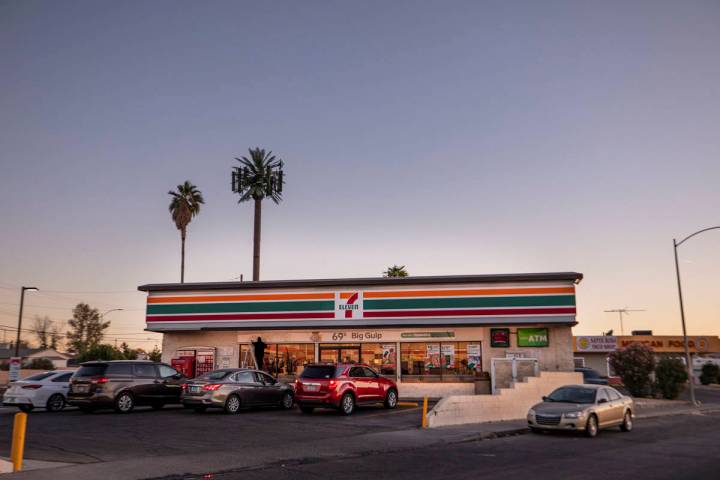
x=257, y=178
x=395, y=272
x=185, y=204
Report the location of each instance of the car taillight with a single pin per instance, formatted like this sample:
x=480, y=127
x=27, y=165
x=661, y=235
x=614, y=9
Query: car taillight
x=184, y=386
x=331, y=383
x=211, y=387
x=100, y=380
x=32, y=387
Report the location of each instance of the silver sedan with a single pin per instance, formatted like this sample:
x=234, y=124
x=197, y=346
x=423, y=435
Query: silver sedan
x=586, y=408
x=235, y=388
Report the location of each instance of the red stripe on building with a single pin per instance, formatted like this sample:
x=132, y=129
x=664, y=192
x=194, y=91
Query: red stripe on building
x=473, y=312
x=240, y=316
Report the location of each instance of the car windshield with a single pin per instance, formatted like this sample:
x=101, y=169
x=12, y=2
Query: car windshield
x=215, y=375
x=39, y=376
x=573, y=395
x=319, y=371
x=91, y=370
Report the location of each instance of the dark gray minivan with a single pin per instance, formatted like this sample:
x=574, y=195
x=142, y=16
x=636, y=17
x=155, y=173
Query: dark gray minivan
x=123, y=385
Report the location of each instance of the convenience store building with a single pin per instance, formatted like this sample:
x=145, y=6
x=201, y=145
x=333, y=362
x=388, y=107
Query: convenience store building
x=434, y=335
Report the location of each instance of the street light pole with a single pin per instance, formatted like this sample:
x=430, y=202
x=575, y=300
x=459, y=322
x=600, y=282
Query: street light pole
x=22, y=302
x=682, y=317
x=676, y=244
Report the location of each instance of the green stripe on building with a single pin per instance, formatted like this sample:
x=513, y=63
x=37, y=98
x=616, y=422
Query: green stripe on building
x=470, y=302
x=299, y=306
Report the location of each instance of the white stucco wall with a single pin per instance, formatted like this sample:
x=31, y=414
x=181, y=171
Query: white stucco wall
x=508, y=404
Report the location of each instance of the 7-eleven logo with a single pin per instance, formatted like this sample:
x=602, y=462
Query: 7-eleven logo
x=348, y=304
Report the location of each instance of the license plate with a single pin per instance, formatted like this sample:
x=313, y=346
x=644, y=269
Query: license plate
x=194, y=389
x=312, y=388
x=81, y=388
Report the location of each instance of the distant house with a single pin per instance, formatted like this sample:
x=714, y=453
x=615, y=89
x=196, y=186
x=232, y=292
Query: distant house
x=59, y=359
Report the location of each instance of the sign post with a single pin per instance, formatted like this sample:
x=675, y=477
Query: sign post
x=14, y=372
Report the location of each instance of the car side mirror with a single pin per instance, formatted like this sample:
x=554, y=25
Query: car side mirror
x=178, y=376
x=544, y=398
x=602, y=400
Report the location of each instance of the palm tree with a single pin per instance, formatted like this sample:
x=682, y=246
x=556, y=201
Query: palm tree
x=258, y=177
x=395, y=272
x=185, y=204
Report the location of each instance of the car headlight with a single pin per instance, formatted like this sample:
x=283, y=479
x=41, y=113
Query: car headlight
x=531, y=412
x=573, y=415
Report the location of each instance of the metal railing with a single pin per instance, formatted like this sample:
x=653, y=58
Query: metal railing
x=514, y=377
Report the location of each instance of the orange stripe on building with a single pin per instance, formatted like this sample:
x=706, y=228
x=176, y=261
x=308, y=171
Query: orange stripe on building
x=473, y=292
x=242, y=298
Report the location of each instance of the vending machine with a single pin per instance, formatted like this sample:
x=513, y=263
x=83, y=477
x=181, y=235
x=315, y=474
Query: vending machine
x=184, y=365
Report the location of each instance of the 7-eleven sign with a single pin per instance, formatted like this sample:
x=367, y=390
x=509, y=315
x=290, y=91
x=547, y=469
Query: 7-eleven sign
x=348, y=304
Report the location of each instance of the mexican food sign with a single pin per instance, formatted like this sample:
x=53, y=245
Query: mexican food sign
x=193, y=309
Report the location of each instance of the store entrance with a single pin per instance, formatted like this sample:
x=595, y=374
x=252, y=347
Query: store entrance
x=340, y=353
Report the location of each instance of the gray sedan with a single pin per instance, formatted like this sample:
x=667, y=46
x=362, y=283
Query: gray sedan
x=586, y=408
x=234, y=388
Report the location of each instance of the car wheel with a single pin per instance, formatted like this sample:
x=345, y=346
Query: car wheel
x=627, y=424
x=86, y=409
x=287, y=401
x=347, y=404
x=124, y=403
x=55, y=403
x=26, y=408
x=232, y=404
x=591, y=428
x=305, y=409
x=391, y=399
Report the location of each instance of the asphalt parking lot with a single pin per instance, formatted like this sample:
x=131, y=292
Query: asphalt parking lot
x=75, y=437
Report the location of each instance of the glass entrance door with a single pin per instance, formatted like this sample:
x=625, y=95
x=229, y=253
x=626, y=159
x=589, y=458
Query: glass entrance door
x=340, y=353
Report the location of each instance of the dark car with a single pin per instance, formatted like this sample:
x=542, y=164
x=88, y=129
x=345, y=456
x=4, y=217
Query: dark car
x=342, y=387
x=591, y=377
x=124, y=384
x=235, y=388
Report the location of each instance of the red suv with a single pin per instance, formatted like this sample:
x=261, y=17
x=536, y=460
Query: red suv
x=342, y=387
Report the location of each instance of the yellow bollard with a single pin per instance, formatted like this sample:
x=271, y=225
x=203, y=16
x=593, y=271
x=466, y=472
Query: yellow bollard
x=18, y=441
x=424, y=413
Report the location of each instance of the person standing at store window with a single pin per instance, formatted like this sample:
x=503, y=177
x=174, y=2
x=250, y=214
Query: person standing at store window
x=259, y=348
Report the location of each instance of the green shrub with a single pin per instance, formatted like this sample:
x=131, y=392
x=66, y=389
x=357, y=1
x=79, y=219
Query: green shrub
x=634, y=364
x=710, y=374
x=101, y=352
x=39, y=364
x=670, y=376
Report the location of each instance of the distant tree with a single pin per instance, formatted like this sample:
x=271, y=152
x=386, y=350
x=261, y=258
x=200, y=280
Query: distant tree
x=395, y=272
x=103, y=351
x=258, y=177
x=155, y=355
x=634, y=364
x=42, y=328
x=86, y=329
x=40, y=364
x=670, y=377
x=128, y=353
x=56, y=336
x=185, y=205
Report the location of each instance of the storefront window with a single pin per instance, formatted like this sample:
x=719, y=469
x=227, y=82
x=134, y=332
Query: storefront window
x=382, y=357
x=440, y=361
x=282, y=360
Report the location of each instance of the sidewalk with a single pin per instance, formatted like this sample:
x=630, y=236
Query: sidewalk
x=360, y=445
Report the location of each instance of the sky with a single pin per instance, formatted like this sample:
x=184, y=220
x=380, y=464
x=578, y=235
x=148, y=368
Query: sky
x=462, y=137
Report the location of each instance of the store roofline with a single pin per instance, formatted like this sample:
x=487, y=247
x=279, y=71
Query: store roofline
x=372, y=281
